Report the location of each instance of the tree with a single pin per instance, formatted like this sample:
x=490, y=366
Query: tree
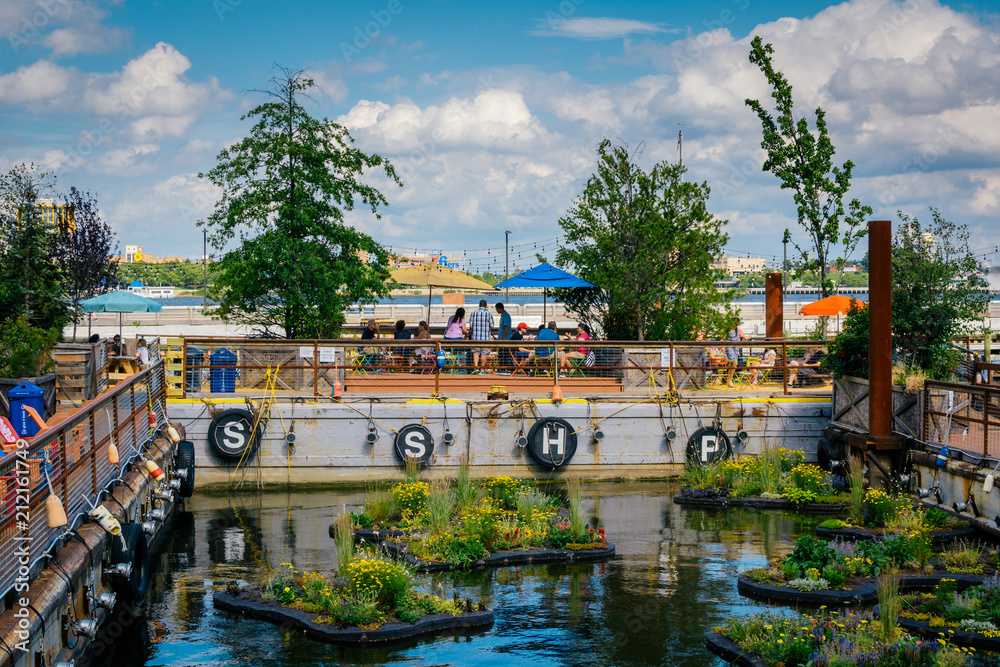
x=647, y=241
x=31, y=283
x=285, y=188
x=802, y=159
x=937, y=292
x=85, y=251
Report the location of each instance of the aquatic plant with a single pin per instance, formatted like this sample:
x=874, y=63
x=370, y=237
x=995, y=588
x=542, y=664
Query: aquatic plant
x=379, y=504
x=503, y=488
x=573, y=493
x=887, y=589
x=343, y=539
x=439, y=506
x=465, y=491
x=386, y=580
x=411, y=497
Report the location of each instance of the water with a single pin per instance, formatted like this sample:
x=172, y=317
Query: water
x=673, y=579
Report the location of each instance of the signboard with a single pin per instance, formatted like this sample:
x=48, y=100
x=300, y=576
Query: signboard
x=551, y=442
x=413, y=441
x=231, y=435
x=327, y=355
x=8, y=436
x=708, y=445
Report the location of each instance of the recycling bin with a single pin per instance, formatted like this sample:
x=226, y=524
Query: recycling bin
x=20, y=396
x=222, y=380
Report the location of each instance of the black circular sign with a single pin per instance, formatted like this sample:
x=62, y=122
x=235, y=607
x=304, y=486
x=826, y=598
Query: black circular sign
x=551, y=442
x=413, y=441
x=708, y=445
x=231, y=434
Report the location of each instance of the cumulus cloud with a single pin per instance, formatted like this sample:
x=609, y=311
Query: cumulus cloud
x=65, y=27
x=37, y=85
x=594, y=28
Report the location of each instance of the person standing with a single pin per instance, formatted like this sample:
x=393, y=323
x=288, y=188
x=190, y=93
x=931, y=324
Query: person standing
x=505, y=331
x=733, y=353
x=481, y=328
x=456, y=329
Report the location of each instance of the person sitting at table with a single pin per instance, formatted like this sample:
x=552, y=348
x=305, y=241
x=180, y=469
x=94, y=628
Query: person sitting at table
x=116, y=346
x=422, y=353
x=401, y=333
x=544, y=333
x=93, y=339
x=142, y=353
x=813, y=355
x=582, y=333
x=370, y=332
x=521, y=353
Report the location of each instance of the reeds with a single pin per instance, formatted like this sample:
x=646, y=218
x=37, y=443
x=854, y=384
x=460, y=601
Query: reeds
x=857, y=491
x=465, y=491
x=573, y=491
x=889, y=603
x=412, y=469
x=379, y=504
x=344, y=540
x=439, y=507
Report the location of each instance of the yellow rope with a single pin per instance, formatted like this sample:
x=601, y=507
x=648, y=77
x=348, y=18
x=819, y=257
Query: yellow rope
x=348, y=405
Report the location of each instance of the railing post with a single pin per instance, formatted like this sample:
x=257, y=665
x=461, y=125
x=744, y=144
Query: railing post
x=437, y=367
x=986, y=421
x=184, y=367
x=315, y=368
x=784, y=363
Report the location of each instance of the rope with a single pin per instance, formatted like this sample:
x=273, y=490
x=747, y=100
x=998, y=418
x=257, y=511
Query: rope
x=598, y=421
x=368, y=416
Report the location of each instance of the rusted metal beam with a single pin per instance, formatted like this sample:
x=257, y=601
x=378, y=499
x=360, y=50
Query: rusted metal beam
x=880, y=328
x=774, y=306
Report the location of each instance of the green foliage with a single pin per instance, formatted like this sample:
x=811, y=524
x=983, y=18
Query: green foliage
x=24, y=349
x=344, y=540
x=362, y=520
x=647, y=240
x=809, y=552
x=847, y=354
x=440, y=503
x=190, y=275
x=797, y=495
x=937, y=292
x=802, y=159
x=284, y=192
x=834, y=524
x=379, y=504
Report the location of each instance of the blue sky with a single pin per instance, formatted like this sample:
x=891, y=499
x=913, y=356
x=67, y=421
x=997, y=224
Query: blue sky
x=492, y=111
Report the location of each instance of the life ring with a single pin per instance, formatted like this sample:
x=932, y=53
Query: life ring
x=708, y=445
x=229, y=435
x=184, y=464
x=130, y=547
x=551, y=442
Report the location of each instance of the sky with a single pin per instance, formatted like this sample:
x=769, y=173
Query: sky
x=492, y=112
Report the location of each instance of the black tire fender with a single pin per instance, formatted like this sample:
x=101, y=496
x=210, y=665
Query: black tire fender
x=131, y=547
x=184, y=460
x=230, y=437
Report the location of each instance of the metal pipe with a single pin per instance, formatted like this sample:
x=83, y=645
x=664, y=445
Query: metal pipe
x=880, y=328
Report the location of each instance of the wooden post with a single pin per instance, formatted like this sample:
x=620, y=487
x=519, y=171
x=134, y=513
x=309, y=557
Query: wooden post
x=774, y=309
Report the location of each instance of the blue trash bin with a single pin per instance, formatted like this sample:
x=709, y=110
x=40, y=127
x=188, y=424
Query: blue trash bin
x=222, y=380
x=21, y=395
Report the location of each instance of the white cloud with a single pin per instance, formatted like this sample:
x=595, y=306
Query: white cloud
x=35, y=86
x=89, y=39
x=595, y=28
x=126, y=161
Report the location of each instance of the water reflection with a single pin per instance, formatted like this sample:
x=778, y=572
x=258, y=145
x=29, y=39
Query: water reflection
x=673, y=579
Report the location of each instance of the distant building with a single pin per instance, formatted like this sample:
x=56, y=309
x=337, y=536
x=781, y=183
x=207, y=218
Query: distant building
x=736, y=266
x=137, y=253
x=398, y=261
x=54, y=216
x=134, y=253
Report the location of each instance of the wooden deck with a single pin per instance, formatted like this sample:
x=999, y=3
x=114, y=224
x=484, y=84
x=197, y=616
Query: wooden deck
x=411, y=384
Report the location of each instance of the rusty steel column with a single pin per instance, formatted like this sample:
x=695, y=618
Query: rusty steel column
x=880, y=328
x=774, y=312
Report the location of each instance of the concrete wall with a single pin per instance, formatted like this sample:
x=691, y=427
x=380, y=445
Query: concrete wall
x=330, y=437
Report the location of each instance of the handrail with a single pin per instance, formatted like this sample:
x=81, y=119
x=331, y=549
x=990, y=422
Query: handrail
x=76, y=447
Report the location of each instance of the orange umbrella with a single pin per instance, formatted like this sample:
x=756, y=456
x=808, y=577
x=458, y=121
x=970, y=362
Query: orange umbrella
x=831, y=305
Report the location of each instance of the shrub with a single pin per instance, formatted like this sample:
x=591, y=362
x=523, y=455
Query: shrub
x=503, y=489
x=834, y=524
x=362, y=520
x=806, y=584
x=808, y=477
x=385, y=581
x=24, y=349
x=847, y=354
x=411, y=497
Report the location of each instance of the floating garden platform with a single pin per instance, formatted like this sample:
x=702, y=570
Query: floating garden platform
x=498, y=522
x=967, y=616
x=315, y=625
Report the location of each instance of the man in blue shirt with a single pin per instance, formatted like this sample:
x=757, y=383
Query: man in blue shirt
x=548, y=333
x=504, y=332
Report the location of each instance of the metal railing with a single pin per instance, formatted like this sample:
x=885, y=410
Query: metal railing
x=228, y=365
x=964, y=417
x=75, y=451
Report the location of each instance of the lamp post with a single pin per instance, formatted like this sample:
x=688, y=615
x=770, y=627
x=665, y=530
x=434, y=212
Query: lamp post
x=204, y=263
x=506, y=263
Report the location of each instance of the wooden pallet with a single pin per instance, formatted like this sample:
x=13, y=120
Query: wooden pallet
x=173, y=360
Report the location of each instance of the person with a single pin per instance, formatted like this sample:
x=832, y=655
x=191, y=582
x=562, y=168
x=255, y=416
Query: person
x=422, y=334
x=504, y=332
x=370, y=332
x=481, y=328
x=767, y=361
x=93, y=339
x=548, y=332
x=813, y=355
x=456, y=329
x=520, y=353
x=401, y=333
x=582, y=333
x=733, y=353
x=142, y=353
x=116, y=346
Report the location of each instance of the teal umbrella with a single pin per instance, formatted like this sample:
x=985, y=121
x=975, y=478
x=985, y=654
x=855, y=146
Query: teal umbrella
x=120, y=302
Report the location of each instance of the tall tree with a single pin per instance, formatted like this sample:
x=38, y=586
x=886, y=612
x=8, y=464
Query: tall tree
x=31, y=283
x=285, y=188
x=937, y=291
x=647, y=241
x=802, y=159
x=85, y=251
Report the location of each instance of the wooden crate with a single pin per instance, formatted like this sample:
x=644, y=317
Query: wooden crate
x=173, y=361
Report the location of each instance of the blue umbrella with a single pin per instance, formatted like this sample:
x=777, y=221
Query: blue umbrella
x=120, y=302
x=545, y=276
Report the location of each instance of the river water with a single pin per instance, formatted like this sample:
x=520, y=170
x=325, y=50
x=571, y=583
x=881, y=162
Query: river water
x=674, y=578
